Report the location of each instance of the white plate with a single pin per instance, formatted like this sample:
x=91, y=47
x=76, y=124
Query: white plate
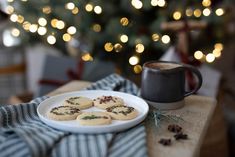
x=73, y=126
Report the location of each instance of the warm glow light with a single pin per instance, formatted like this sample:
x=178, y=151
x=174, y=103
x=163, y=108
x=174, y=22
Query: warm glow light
x=87, y=57
x=161, y=3
x=98, y=9
x=15, y=32
x=70, y=6
x=108, y=47
x=210, y=58
x=155, y=37
x=219, y=46
x=33, y=28
x=189, y=12
x=89, y=7
x=60, y=24
x=26, y=25
x=133, y=60
x=13, y=17
x=8, y=40
x=206, y=3
x=198, y=55
x=124, y=38
x=137, y=69
x=75, y=10
x=139, y=48
x=117, y=47
x=154, y=2
x=51, y=39
x=42, y=30
x=72, y=30
x=10, y=0
x=197, y=13
x=46, y=9
x=124, y=21
x=137, y=4
x=9, y=9
x=67, y=37
x=42, y=21
x=54, y=22
x=177, y=15
x=216, y=53
x=20, y=19
x=166, y=39
x=206, y=12
x=96, y=28
x=219, y=12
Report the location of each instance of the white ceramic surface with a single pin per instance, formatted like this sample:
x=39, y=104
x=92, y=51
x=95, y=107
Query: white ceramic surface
x=75, y=127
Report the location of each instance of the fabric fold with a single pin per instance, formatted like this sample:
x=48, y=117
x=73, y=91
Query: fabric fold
x=23, y=134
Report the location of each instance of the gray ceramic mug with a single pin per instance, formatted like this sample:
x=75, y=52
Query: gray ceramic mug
x=164, y=82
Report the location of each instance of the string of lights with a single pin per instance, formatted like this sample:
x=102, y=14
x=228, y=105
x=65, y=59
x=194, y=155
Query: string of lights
x=41, y=27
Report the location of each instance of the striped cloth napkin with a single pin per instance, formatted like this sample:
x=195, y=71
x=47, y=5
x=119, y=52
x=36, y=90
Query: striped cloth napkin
x=22, y=134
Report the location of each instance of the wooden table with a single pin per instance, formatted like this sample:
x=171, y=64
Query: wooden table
x=196, y=113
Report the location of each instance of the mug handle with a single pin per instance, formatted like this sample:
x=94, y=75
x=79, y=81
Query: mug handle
x=199, y=76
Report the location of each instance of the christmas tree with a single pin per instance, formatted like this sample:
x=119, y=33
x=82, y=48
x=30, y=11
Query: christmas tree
x=126, y=32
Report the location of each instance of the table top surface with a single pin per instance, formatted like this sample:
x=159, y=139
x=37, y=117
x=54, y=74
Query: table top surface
x=196, y=115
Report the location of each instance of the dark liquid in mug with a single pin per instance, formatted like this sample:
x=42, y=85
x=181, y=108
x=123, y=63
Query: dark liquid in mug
x=162, y=66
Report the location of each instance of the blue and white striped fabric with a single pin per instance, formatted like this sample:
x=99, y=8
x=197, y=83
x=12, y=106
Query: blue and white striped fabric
x=22, y=134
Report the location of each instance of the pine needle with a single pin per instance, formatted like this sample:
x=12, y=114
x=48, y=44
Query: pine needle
x=159, y=116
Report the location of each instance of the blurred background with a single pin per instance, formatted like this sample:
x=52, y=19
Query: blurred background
x=45, y=44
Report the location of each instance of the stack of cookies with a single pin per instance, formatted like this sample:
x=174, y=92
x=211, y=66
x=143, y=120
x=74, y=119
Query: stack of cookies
x=112, y=108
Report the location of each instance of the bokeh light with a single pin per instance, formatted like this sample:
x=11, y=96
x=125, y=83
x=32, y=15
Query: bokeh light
x=139, y=48
x=70, y=6
x=219, y=12
x=42, y=21
x=42, y=30
x=117, y=47
x=198, y=55
x=60, y=24
x=72, y=30
x=124, y=21
x=98, y=10
x=51, y=39
x=189, y=12
x=108, y=47
x=33, y=28
x=124, y=38
x=13, y=17
x=67, y=37
x=206, y=12
x=15, y=32
x=155, y=37
x=133, y=60
x=87, y=57
x=166, y=39
x=177, y=15
x=197, y=12
x=137, y=69
x=210, y=58
x=89, y=7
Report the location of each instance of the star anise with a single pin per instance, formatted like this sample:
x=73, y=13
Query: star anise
x=165, y=142
x=174, y=128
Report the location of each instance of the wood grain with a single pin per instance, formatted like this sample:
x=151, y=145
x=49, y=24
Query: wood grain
x=196, y=113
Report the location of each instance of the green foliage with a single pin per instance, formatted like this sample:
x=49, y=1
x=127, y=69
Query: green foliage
x=142, y=24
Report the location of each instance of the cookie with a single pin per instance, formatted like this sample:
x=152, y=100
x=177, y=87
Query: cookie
x=63, y=113
x=94, y=118
x=122, y=112
x=104, y=102
x=79, y=102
